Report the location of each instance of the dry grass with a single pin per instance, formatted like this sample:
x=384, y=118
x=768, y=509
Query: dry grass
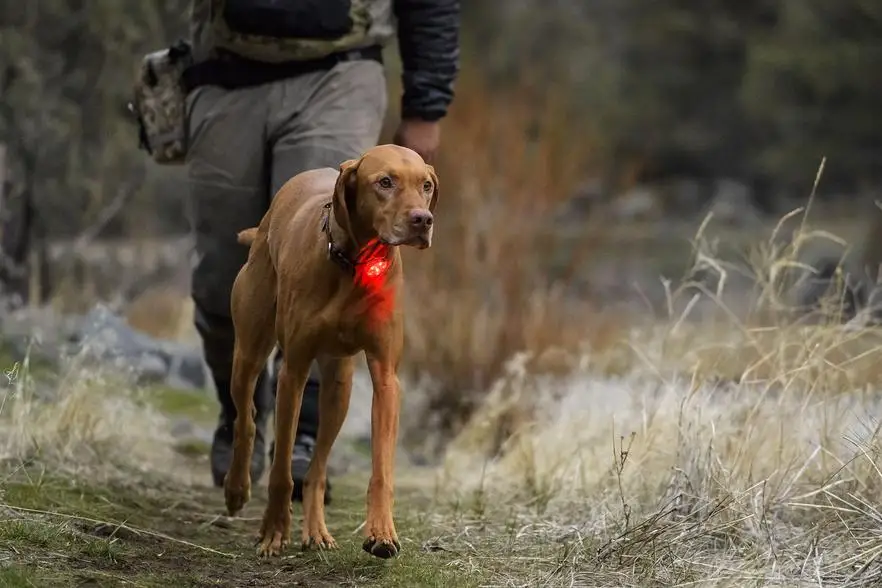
x=88, y=419
x=669, y=475
x=481, y=293
x=743, y=451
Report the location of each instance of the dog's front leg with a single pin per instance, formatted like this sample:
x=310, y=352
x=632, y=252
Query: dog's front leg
x=275, y=532
x=336, y=388
x=381, y=539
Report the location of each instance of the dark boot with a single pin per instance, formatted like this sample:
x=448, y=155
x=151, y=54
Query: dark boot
x=304, y=446
x=222, y=443
x=222, y=453
x=218, y=338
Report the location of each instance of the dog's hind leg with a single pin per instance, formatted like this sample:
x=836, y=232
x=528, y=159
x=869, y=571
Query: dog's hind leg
x=336, y=388
x=254, y=313
x=275, y=531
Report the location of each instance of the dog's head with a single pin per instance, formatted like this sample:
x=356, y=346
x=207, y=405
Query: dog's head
x=389, y=193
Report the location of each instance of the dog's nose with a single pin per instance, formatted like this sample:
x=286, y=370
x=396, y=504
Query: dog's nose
x=421, y=219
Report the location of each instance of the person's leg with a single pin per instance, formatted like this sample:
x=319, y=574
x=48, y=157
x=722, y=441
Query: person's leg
x=321, y=120
x=228, y=181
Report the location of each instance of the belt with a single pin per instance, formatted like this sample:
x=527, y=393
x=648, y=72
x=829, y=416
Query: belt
x=231, y=71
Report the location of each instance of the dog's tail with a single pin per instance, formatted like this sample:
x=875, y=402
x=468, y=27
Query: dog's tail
x=247, y=236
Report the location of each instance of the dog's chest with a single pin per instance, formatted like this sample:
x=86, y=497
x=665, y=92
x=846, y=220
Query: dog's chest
x=353, y=318
x=348, y=332
x=343, y=337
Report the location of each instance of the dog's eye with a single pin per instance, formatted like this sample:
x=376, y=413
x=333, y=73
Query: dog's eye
x=386, y=182
x=427, y=186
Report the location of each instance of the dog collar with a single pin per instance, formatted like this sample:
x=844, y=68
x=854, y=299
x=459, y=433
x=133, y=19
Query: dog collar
x=335, y=254
x=372, y=262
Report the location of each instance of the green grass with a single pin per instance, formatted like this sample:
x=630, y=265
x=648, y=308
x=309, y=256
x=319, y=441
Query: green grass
x=37, y=367
x=17, y=577
x=60, y=531
x=198, y=405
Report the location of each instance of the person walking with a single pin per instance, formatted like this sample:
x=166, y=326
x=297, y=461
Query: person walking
x=277, y=88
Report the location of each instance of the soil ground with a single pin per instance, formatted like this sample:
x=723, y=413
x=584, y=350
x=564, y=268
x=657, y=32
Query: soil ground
x=57, y=531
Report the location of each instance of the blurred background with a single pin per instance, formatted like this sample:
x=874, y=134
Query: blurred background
x=587, y=143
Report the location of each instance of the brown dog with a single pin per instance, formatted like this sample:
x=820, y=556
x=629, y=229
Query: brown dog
x=321, y=280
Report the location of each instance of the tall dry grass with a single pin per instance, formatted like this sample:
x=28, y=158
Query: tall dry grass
x=86, y=420
x=509, y=156
x=742, y=452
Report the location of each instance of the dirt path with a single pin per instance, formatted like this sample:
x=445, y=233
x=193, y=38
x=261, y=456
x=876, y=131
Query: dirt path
x=61, y=531
x=105, y=524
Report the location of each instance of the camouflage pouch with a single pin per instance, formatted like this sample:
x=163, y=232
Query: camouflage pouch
x=294, y=30
x=160, y=103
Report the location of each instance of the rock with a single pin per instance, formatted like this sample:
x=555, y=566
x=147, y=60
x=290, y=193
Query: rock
x=834, y=285
x=640, y=202
x=183, y=428
x=106, y=336
x=188, y=368
x=685, y=196
x=874, y=305
x=37, y=332
x=150, y=368
x=103, y=335
x=732, y=204
x=579, y=206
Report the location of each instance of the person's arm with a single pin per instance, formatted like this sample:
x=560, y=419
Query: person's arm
x=428, y=41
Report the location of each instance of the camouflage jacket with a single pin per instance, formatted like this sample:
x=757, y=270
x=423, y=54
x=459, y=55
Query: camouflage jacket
x=428, y=40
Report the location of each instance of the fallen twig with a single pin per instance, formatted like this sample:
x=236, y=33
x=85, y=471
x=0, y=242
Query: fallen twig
x=119, y=526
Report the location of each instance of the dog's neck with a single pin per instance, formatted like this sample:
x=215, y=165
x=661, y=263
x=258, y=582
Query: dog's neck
x=342, y=249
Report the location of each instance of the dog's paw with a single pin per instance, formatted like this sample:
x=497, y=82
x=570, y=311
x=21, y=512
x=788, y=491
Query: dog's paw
x=275, y=530
x=315, y=533
x=236, y=494
x=381, y=539
x=274, y=538
x=382, y=548
x=318, y=540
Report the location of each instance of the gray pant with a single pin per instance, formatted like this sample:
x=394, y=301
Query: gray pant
x=246, y=143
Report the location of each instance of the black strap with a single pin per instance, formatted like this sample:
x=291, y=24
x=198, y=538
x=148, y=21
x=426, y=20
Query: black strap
x=143, y=140
x=231, y=71
x=335, y=254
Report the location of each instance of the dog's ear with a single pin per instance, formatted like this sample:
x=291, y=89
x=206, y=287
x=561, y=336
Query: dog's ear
x=436, y=192
x=344, y=196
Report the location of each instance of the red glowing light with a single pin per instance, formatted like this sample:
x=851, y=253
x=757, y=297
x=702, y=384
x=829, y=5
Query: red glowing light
x=372, y=265
x=371, y=270
x=376, y=268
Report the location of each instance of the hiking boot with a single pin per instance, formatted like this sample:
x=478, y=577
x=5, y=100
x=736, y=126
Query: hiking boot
x=222, y=452
x=304, y=445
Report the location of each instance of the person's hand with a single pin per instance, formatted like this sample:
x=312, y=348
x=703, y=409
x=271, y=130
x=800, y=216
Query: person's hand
x=422, y=136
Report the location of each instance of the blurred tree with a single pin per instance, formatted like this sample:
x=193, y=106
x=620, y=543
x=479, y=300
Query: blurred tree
x=812, y=88
x=757, y=90
x=68, y=66
x=66, y=69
